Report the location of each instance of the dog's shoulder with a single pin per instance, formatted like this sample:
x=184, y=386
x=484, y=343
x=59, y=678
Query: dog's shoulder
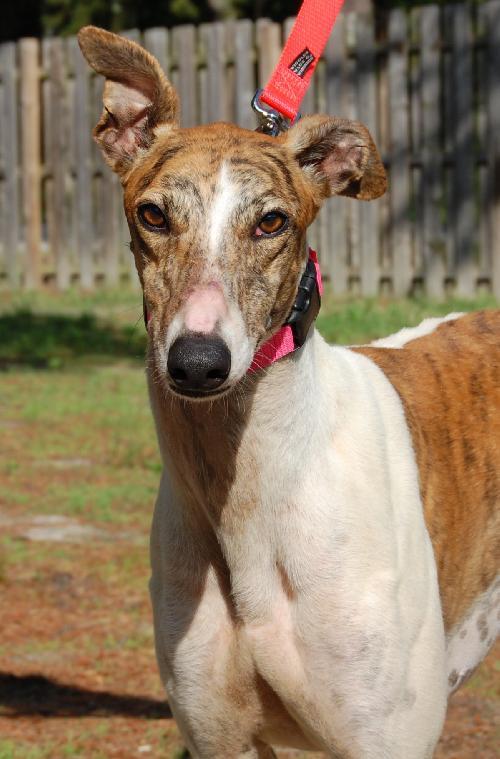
x=436, y=358
x=447, y=374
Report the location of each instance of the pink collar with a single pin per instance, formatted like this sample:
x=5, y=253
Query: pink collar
x=284, y=341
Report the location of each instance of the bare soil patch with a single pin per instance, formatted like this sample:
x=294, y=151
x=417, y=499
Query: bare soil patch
x=77, y=670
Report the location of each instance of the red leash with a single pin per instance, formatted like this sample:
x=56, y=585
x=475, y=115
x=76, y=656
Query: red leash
x=290, y=79
x=277, y=107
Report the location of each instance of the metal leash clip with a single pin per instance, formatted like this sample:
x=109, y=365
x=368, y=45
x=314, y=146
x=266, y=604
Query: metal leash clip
x=271, y=122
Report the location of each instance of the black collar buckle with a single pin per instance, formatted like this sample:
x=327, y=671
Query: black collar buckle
x=306, y=306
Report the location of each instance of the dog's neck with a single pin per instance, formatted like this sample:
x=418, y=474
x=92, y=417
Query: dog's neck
x=217, y=453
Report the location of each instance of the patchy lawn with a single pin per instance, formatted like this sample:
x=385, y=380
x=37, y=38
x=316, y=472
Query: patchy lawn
x=78, y=475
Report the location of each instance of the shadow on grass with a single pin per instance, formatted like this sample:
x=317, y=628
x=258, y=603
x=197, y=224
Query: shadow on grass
x=26, y=695
x=50, y=341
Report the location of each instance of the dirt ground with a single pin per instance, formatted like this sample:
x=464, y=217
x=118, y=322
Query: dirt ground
x=78, y=677
x=77, y=669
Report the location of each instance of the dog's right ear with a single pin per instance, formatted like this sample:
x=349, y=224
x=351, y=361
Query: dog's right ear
x=137, y=96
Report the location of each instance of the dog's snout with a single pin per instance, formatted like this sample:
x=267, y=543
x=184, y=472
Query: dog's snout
x=198, y=363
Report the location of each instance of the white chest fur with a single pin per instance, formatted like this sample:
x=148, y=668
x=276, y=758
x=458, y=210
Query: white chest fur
x=331, y=569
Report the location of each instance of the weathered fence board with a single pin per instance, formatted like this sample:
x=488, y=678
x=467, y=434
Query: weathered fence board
x=268, y=48
x=214, y=38
x=492, y=10
x=432, y=169
x=426, y=83
x=366, y=107
x=184, y=78
x=82, y=131
x=156, y=41
x=463, y=211
x=31, y=163
x=244, y=67
x=10, y=156
x=56, y=157
x=333, y=244
x=399, y=154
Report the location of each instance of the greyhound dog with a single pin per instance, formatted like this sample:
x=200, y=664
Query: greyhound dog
x=326, y=538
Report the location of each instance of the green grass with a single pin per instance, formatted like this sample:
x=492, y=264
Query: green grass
x=124, y=304
x=81, y=440
x=351, y=321
x=77, y=439
x=51, y=340
x=46, y=330
x=15, y=750
x=51, y=331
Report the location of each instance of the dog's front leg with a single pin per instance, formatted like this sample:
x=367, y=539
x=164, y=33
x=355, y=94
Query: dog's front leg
x=207, y=674
x=204, y=661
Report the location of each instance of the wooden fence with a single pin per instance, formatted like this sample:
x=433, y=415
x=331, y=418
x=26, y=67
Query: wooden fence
x=427, y=84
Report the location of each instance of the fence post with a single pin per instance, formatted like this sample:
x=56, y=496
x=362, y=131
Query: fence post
x=213, y=37
x=399, y=126
x=31, y=168
x=244, y=53
x=461, y=100
x=82, y=127
x=493, y=15
x=367, y=214
x=334, y=250
x=185, y=52
x=432, y=175
x=57, y=142
x=10, y=150
x=268, y=48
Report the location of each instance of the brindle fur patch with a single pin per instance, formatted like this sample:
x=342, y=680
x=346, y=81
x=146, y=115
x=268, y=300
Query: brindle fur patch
x=171, y=264
x=450, y=387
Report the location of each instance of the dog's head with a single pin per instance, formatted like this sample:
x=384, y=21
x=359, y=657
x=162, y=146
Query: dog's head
x=217, y=214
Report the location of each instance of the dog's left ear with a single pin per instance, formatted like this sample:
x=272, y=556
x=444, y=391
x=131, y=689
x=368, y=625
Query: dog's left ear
x=339, y=155
x=137, y=96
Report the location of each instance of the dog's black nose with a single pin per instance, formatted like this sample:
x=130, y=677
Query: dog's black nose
x=198, y=363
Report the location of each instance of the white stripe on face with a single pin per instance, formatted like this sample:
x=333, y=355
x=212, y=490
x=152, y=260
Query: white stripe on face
x=224, y=201
x=207, y=308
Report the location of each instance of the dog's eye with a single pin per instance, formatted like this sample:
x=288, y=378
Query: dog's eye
x=152, y=217
x=271, y=223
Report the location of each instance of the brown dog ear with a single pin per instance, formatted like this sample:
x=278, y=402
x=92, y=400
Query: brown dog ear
x=339, y=154
x=137, y=96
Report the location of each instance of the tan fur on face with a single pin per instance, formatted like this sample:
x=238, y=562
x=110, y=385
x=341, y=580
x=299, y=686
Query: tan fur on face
x=180, y=173
x=449, y=383
x=178, y=170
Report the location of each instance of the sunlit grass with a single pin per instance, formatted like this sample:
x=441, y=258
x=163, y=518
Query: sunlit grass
x=352, y=321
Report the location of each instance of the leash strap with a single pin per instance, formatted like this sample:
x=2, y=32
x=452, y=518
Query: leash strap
x=291, y=77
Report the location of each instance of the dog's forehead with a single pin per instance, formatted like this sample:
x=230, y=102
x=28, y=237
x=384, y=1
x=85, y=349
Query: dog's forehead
x=198, y=154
